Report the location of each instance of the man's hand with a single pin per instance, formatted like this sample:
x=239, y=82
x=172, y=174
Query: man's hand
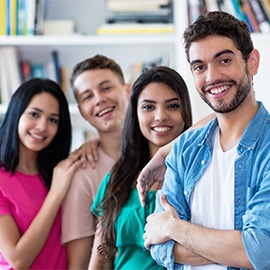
x=158, y=225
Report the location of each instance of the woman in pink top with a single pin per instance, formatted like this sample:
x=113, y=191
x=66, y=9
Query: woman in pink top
x=35, y=174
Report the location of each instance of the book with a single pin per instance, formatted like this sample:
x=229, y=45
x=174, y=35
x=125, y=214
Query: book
x=211, y=5
x=266, y=6
x=260, y=15
x=136, y=28
x=254, y=26
x=21, y=17
x=4, y=81
x=12, y=17
x=3, y=19
x=193, y=10
x=30, y=15
x=135, y=5
x=13, y=68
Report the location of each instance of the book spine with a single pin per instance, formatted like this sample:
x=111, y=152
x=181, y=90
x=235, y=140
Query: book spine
x=260, y=16
x=3, y=24
x=250, y=16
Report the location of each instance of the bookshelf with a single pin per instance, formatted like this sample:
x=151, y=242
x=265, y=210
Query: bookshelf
x=88, y=15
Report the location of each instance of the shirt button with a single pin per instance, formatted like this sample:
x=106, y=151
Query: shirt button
x=202, y=162
x=186, y=193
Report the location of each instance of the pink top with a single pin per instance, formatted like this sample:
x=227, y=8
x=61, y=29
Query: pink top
x=21, y=196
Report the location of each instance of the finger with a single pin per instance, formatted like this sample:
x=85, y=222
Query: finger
x=83, y=160
x=91, y=160
x=164, y=202
x=146, y=244
x=95, y=155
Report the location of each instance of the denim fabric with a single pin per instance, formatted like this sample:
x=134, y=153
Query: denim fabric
x=187, y=162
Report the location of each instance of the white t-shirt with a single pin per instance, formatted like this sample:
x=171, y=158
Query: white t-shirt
x=212, y=201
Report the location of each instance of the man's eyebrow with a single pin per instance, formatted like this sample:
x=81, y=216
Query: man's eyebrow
x=218, y=54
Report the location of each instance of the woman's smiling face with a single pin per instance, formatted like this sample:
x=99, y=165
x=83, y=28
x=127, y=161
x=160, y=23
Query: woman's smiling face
x=159, y=115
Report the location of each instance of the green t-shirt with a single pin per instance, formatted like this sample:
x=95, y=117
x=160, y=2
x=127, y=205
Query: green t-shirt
x=129, y=227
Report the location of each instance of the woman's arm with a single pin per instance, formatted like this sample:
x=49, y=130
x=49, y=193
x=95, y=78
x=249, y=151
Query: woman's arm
x=155, y=168
x=97, y=261
x=21, y=250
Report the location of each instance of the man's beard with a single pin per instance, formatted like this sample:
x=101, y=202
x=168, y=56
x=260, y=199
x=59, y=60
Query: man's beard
x=243, y=88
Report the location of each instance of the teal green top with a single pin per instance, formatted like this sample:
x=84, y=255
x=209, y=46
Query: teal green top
x=129, y=228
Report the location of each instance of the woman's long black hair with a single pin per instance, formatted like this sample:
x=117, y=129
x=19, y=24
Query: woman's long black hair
x=135, y=151
x=57, y=150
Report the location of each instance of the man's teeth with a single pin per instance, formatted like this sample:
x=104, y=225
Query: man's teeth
x=161, y=129
x=218, y=90
x=104, y=111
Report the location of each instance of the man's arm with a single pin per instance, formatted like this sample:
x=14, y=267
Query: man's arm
x=224, y=247
x=79, y=253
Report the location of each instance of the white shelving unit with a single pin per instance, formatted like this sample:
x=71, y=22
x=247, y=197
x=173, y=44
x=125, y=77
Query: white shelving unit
x=125, y=49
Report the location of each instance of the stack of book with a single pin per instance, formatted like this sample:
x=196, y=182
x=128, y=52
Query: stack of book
x=138, y=17
x=21, y=17
x=256, y=13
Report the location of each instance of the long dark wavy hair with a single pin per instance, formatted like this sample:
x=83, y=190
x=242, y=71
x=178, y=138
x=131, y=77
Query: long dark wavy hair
x=57, y=150
x=135, y=151
x=222, y=24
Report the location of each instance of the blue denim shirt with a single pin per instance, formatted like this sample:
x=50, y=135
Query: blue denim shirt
x=187, y=162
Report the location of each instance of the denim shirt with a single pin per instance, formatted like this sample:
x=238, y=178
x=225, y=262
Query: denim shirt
x=188, y=160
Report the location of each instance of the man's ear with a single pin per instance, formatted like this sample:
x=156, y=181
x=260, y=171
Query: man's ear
x=81, y=112
x=253, y=62
x=128, y=89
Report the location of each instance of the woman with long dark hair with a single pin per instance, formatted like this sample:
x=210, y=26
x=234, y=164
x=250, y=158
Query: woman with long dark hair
x=158, y=112
x=35, y=174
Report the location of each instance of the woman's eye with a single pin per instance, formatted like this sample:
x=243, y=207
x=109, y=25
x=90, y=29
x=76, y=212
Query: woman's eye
x=53, y=120
x=147, y=107
x=174, y=106
x=34, y=114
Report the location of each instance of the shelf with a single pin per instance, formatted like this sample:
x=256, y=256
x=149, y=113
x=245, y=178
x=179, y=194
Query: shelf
x=72, y=40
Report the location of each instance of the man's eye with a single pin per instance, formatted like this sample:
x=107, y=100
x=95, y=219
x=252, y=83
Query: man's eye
x=106, y=88
x=225, y=61
x=198, y=68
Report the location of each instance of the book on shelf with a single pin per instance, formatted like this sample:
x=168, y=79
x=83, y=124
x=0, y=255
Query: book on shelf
x=151, y=11
x=21, y=17
x=260, y=15
x=253, y=12
x=136, y=28
x=135, y=69
x=3, y=27
x=10, y=73
x=136, y=5
x=266, y=6
x=250, y=17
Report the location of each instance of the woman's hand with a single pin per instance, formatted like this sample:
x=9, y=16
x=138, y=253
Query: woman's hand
x=89, y=152
x=64, y=172
x=153, y=172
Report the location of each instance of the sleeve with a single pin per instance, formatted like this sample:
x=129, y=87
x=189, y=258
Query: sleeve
x=172, y=188
x=4, y=205
x=256, y=223
x=77, y=221
x=99, y=196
